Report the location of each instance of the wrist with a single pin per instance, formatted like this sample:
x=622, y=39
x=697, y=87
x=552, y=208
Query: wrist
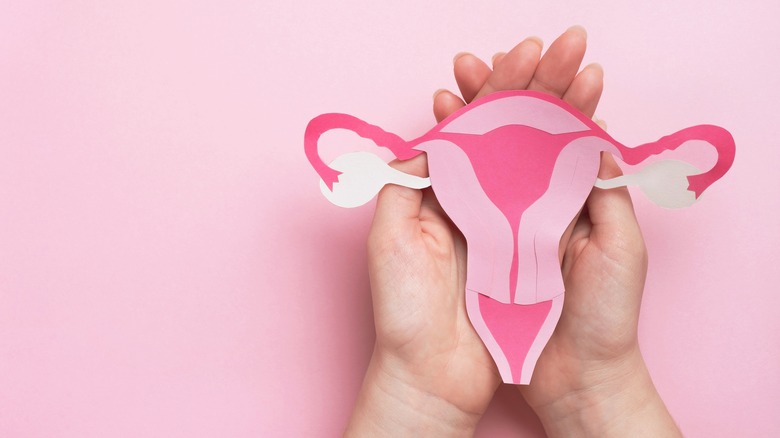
x=390, y=404
x=616, y=399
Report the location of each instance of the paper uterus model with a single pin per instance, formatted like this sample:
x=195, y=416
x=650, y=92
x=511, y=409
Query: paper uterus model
x=512, y=170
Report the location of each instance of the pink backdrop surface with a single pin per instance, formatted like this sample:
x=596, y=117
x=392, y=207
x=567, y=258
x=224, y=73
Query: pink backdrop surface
x=168, y=266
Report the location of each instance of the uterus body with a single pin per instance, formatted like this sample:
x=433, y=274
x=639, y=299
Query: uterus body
x=511, y=171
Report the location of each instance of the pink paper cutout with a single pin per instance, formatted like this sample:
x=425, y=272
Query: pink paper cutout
x=512, y=170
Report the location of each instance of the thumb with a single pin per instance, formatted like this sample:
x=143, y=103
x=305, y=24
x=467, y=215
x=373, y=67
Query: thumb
x=398, y=207
x=615, y=227
x=610, y=207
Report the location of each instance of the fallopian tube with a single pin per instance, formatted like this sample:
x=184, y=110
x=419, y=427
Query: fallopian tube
x=512, y=170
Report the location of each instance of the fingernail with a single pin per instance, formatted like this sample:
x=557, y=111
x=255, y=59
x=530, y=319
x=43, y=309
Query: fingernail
x=536, y=39
x=458, y=55
x=493, y=59
x=437, y=92
x=597, y=66
x=578, y=28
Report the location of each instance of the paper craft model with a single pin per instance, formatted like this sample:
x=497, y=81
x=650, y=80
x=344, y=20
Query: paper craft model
x=512, y=170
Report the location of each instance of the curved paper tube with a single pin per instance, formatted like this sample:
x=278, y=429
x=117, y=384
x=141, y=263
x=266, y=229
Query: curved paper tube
x=511, y=170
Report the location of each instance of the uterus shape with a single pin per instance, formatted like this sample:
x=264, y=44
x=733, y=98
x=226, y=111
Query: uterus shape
x=512, y=170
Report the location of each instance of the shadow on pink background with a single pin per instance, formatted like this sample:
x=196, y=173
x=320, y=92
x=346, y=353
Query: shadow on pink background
x=164, y=248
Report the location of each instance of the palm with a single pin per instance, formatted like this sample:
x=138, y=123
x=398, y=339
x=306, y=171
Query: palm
x=421, y=315
x=603, y=292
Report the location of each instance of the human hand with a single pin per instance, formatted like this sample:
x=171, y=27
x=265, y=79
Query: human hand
x=591, y=377
x=429, y=369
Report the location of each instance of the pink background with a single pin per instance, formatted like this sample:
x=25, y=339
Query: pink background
x=168, y=266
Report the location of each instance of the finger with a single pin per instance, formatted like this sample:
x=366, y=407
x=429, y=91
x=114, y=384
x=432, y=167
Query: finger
x=585, y=90
x=615, y=232
x=611, y=207
x=563, y=244
x=497, y=59
x=431, y=208
x=445, y=103
x=560, y=63
x=582, y=227
x=516, y=68
x=470, y=74
x=396, y=205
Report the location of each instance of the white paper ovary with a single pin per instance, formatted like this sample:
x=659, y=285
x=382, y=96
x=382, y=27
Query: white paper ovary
x=363, y=174
x=664, y=182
